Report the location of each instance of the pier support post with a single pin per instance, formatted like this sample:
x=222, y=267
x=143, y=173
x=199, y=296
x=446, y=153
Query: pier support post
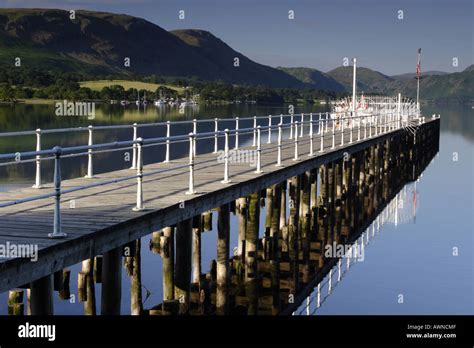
x=305, y=221
x=167, y=257
x=196, y=272
x=242, y=219
x=275, y=249
x=223, y=232
x=251, y=250
x=111, y=282
x=293, y=238
x=182, y=280
x=136, y=281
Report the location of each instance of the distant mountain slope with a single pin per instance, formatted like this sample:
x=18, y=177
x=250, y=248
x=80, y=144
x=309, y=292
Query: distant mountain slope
x=450, y=86
x=315, y=78
x=100, y=42
x=413, y=75
x=367, y=79
x=433, y=85
x=222, y=56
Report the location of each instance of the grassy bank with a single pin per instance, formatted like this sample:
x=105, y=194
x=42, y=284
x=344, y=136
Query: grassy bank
x=99, y=84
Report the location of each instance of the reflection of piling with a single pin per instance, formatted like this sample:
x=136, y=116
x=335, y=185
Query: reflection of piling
x=275, y=249
x=251, y=251
x=241, y=211
x=323, y=211
x=268, y=222
x=207, y=221
x=305, y=196
x=223, y=232
x=182, y=279
x=293, y=232
x=167, y=257
x=41, y=296
x=111, y=282
x=251, y=236
x=86, y=288
x=64, y=293
x=196, y=262
x=136, y=281
x=15, y=302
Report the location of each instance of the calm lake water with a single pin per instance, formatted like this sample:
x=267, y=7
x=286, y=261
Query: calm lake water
x=414, y=258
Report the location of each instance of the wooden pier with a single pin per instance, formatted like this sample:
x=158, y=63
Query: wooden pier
x=354, y=161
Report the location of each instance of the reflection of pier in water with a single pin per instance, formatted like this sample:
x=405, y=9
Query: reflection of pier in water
x=344, y=202
x=401, y=209
x=332, y=199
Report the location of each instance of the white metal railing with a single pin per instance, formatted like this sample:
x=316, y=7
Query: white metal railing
x=326, y=125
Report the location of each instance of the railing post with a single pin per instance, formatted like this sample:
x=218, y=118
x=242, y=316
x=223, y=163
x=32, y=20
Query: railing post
x=279, y=145
x=351, y=127
x=194, y=132
x=319, y=123
x=370, y=127
x=385, y=125
x=296, y=158
x=192, y=140
x=168, y=134
x=311, y=150
x=236, y=132
x=37, y=184
x=226, y=157
x=322, y=140
x=291, y=126
x=302, y=124
x=134, y=157
x=327, y=120
x=269, y=129
x=216, y=130
x=139, y=206
x=399, y=105
x=376, y=125
x=254, y=143
x=342, y=130
x=90, y=166
x=57, y=230
x=333, y=135
x=358, y=128
x=259, y=150
x=365, y=127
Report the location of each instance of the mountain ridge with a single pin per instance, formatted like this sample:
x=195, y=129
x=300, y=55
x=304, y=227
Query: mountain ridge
x=100, y=43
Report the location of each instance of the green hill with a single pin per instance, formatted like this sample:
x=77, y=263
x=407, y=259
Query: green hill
x=315, y=78
x=100, y=42
x=367, y=80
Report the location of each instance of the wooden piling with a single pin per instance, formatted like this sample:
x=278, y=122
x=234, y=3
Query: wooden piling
x=196, y=261
x=223, y=232
x=293, y=232
x=275, y=247
x=136, y=304
x=242, y=222
x=167, y=257
x=251, y=236
x=182, y=277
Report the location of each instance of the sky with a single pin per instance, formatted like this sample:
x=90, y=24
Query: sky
x=321, y=34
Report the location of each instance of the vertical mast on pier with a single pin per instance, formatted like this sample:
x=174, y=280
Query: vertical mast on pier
x=354, y=86
x=418, y=77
